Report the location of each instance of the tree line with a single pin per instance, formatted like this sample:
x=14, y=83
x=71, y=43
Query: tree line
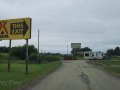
x=80, y=51
x=113, y=52
x=20, y=53
x=4, y=49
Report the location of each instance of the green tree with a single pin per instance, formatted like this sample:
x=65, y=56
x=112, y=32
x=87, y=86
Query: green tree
x=76, y=51
x=116, y=51
x=4, y=49
x=20, y=51
x=110, y=52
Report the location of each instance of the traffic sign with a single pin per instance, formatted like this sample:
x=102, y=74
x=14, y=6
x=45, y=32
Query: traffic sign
x=15, y=29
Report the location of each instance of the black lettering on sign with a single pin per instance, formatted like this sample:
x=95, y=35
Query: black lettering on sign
x=4, y=36
x=17, y=25
x=18, y=28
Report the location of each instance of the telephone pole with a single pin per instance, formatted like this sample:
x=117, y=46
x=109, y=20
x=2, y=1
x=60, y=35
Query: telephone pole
x=38, y=46
x=67, y=48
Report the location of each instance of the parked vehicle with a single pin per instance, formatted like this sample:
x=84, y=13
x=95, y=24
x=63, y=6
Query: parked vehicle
x=87, y=55
x=93, y=55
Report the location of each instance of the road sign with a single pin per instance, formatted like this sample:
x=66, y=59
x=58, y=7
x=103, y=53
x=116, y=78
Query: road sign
x=75, y=45
x=15, y=29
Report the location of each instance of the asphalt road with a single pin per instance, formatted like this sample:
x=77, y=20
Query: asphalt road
x=77, y=75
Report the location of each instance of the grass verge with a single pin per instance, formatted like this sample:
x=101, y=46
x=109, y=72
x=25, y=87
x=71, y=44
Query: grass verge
x=113, y=69
x=115, y=58
x=111, y=66
x=17, y=77
x=80, y=58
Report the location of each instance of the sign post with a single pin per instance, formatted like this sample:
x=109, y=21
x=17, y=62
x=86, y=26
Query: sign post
x=26, y=56
x=9, y=56
x=16, y=29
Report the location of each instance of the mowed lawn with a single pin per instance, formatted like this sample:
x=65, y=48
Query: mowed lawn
x=17, y=77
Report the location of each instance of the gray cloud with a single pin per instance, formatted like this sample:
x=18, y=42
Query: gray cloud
x=94, y=23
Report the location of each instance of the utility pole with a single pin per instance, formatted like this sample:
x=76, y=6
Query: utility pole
x=67, y=48
x=38, y=46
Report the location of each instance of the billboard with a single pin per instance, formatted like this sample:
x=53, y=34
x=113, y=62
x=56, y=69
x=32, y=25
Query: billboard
x=15, y=29
x=75, y=45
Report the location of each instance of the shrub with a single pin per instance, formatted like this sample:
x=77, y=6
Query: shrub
x=43, y=58
x=33, y=58
x=20, y=51
x=50, y=58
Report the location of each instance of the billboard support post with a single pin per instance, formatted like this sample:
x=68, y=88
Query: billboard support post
x=9, y=55
x=26, y=56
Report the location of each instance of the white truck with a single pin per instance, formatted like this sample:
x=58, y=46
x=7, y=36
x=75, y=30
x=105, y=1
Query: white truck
x=93, y=55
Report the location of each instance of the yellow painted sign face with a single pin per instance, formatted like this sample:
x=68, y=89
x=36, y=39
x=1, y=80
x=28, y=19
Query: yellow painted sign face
x=75, y=45
x=15, y=29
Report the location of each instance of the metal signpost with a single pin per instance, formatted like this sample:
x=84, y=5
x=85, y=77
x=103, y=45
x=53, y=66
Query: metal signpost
x=9, y=55
x=13, y=29
x=26, y=56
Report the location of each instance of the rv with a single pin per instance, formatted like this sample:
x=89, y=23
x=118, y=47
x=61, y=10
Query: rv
x=93, y=55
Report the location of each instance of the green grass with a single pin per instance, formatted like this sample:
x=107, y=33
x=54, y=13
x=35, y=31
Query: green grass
x=115, y=58
x=4, y=57
x=80, y=58
x=106, y=62
x=4, y=54
x=17, y=77
x=113, y=69
x=111, y=66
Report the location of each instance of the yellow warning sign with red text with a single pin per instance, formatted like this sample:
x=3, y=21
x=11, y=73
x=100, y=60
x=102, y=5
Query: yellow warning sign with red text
x=15, y=29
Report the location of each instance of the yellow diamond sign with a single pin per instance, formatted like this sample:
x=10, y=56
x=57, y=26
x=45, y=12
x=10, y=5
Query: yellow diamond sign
x=15, y=29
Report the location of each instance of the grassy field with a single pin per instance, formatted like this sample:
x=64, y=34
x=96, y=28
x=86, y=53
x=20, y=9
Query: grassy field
x=113, y=69
x=115, y=58
x=106, y=62
x=111, y=66
x=17, y=77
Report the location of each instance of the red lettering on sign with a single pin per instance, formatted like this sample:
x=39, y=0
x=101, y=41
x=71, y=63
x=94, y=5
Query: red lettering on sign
x=2, y=25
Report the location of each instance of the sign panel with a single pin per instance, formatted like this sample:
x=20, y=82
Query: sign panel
x=15, y=29
x=75, y=45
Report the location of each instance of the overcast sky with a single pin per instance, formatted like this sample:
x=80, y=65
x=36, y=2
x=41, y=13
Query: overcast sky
x=93, y=23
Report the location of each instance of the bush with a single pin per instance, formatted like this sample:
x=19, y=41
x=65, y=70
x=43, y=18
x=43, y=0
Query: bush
x=20, y=51
x=33, y=58
x=2, y=57
x=50, y=58
x=43, y=58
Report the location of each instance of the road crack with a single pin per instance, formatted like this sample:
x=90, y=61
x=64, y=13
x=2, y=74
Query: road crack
x=86, y=80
